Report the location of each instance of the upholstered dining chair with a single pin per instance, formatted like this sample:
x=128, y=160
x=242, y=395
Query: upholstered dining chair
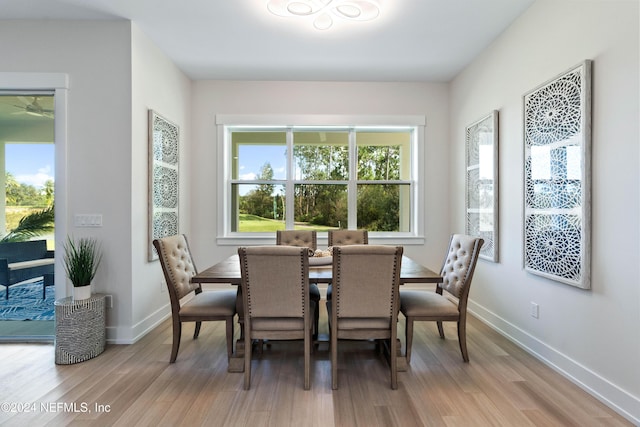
x=449, y=302
x=366, y=299
x=347, y=237
x=275, y=292
x=299, y=238
x=178, y=268
x=344, y=237
x=306, y=239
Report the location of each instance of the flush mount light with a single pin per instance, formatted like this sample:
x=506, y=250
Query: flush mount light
x=323, y=12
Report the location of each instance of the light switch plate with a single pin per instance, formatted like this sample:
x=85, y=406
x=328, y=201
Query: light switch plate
x=87, y=220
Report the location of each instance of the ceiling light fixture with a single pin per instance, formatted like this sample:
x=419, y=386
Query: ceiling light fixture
x=324, y=12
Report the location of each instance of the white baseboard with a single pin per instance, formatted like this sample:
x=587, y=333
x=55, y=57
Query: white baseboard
x=602, y=389
x=131, y=335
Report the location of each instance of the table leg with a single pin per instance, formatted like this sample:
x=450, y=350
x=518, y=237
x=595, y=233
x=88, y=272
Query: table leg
x=401, y=358
x=236, y=362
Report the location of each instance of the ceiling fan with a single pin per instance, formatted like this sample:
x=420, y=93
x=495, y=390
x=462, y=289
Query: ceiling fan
x=33, y=107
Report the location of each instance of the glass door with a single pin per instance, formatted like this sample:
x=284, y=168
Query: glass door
x=27, y=157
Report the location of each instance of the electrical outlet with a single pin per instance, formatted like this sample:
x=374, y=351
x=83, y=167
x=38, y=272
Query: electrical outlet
x=163, y=286
x=108, y=300
x=535, y=310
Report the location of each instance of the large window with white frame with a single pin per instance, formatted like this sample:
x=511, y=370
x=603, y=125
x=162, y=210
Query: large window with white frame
x=319, y=177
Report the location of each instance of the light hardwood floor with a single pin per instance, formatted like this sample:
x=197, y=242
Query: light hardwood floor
x=131, y=385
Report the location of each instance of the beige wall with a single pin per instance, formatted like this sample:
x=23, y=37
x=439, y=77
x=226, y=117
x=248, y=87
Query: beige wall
x=96, y=58
x=321, y=98
x=158, y=85
x=590, y=335
x=115, y=75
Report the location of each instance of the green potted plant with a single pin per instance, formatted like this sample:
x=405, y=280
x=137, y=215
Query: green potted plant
x=81, y=261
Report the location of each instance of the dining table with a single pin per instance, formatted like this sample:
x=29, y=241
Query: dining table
x=320, y=271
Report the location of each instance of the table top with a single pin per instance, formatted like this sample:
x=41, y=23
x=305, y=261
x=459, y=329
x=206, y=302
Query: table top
x=228, y=271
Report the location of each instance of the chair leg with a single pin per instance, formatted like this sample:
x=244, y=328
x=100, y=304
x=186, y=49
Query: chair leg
x=241, y=326
x=177, y=332
x=462, y=339
x=334, y=360
x=196, y=331
x=247, y=360
x=230, y=330
x=393, y=347
x=408, y=331
x=307, y=359
x=316, y=320
x=314, y=341
x=440, y=329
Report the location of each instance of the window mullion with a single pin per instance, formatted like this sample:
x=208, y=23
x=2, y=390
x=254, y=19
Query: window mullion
x=289, y=187
x=352, y=186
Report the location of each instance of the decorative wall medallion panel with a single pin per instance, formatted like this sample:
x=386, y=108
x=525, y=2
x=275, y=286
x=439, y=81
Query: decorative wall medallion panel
x=482, y=183
x=557, y=183
x=164, y=138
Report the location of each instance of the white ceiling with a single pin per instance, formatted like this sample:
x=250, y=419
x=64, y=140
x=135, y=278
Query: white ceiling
x=412, y=40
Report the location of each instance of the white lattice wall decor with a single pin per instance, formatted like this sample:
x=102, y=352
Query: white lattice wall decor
x=164, y=138
x=482, y=183
x=557, y=183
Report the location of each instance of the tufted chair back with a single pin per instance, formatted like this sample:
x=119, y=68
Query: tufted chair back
x=177, y=265
x=459, y=264
x=300, y=238
x=348, y=237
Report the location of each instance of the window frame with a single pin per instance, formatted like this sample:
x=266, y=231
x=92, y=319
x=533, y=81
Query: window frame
x=225, y=124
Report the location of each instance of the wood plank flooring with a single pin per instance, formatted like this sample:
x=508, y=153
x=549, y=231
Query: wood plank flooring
x=135, y=385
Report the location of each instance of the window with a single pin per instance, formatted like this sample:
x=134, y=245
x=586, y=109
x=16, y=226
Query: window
x=319, y=177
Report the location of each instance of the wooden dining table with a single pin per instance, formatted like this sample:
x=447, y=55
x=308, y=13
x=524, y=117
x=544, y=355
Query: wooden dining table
x=228, y=271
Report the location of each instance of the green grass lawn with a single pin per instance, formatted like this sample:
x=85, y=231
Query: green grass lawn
x=255, y=224
x=13, y=216
x=252, y=223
